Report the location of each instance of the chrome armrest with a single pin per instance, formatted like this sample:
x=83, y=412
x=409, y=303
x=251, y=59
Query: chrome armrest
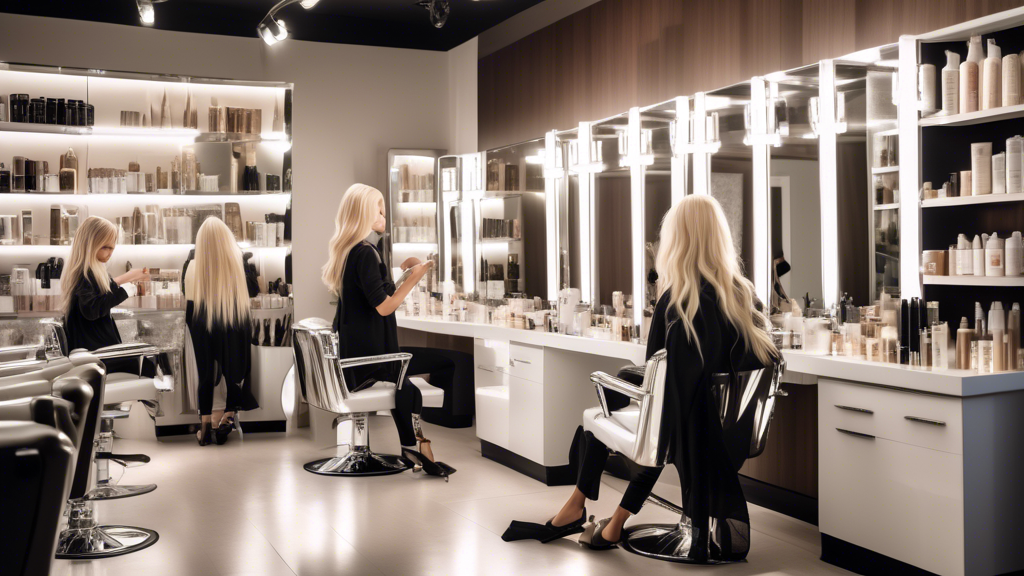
x=130, y=350
x=603, y=380
x=331, y=345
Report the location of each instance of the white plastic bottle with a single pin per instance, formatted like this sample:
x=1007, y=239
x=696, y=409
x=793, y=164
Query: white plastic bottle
x=995, y=263
x=981, y=168
x=926, y=88
x=1011, y=80
x=964, y=256
x=951, y=84
x=975, y=55
x=991, y=90
x=1014, y=255
x=999, y=173
x=1014, y=165
x=978, y=248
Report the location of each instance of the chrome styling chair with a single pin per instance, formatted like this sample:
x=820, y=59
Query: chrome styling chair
x=745, y=406
x=321, y=380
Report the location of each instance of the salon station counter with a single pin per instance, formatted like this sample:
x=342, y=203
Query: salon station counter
x=915, y=468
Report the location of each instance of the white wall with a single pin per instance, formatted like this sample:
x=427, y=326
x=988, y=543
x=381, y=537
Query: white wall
x=351, y=104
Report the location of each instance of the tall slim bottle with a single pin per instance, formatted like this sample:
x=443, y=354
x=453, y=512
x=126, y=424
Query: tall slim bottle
x=976, y=57
x=951, y=84
x=1014, y=165
x=1011, y=80
x=991, y=89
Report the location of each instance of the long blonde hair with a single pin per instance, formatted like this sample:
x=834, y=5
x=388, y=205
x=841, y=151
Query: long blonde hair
x=91, y=236
x=358, y=211
x=696, y=244
x=220, y=287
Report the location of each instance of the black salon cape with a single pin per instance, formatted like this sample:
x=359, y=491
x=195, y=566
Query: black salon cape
x=366, y=283
x=88, y=323
x=707, y=463
x=224, y=351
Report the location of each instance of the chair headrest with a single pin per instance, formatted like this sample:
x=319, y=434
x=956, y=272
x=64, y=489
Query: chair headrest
x=312, y=325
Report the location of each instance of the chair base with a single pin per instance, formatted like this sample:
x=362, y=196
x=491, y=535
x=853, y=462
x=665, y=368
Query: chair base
x=103, y=542
x=116, y=492
x=668, y=542
x=359, y=462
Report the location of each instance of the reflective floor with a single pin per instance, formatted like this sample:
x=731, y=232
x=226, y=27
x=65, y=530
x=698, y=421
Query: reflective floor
x=250, y=509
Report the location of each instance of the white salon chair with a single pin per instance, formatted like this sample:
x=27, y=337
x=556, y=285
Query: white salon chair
x=322, y=382
x=745, y=404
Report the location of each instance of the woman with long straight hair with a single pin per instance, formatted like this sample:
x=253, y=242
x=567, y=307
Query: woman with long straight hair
x=708, y=320
x=365, y=319
x=217, y=314
x=89, y=292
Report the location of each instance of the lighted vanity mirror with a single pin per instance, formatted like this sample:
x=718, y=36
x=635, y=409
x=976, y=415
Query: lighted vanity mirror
x=794, y=187
x=562, y=183
x=611, y=253
x=511, y=223
x=731, y=166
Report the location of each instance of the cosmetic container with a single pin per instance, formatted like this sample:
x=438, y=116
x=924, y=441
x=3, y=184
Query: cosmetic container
x=964, y=337
x=991, y=91
x=926, y=88
x=994, y=261
x=951, y=84
x=978, y=260
x=1014, y=255
x=1014, y=165
x=965, y=256
x=997, y=328
x=981, y=168
x=940, y=346
x=999, y=173
x=1011, y=80
x=1013, y=351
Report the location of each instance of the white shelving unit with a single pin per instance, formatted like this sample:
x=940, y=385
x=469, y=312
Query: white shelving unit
x=967, y=200
x=979, y=117
x=1004, y=281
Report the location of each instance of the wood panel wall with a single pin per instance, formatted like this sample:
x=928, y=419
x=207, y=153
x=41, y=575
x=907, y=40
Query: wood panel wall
x=617, y=54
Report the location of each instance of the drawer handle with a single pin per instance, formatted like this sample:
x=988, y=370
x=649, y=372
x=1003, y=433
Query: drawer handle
x=484, y=368
x=514, y=360
x=925, y=420
x=853, y=409
x=857, y=434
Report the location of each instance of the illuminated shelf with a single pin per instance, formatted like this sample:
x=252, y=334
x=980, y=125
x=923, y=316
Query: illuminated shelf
x=499, y=240
x=32, y=128
x=885, y=170
x=129, y=132
x=979, y=117
x=145, y=198
x=37, y=248
x=1002, y=281
x=964, y=200
x=887, y=206
x=890, y=132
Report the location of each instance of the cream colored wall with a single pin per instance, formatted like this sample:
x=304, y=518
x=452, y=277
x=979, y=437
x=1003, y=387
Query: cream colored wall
x=351, y=104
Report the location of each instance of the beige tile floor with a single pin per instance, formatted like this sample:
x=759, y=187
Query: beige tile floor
x=250, y=509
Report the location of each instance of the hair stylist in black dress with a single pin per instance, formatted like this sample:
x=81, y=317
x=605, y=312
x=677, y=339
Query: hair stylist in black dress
x=367, y=300
x=90, y=293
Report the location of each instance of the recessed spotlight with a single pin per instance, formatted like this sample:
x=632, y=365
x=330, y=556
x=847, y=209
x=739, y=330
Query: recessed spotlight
x=146, y=13
x=307, y=4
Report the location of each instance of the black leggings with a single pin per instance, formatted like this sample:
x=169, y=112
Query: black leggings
x=205, y=393
x=408, y=401
x=589, y=456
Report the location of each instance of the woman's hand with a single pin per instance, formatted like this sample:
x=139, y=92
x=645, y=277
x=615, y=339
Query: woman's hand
x=389, y=305
x=409, y=263
x=133, y=275
x=420, y=270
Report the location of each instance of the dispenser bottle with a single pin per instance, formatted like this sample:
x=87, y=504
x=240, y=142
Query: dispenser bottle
x=991, y=89
x=978, y=261
x=1014, y=254
x=994, y=261
x=951, y=84
x=1011, y=80
x=971, y=76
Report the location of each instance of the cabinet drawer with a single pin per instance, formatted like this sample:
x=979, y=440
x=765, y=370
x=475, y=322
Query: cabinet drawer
x=899, y=500
x=934, y=422
x=526, y=362
x=490, y=362
x=526, y=418
x=492, y=414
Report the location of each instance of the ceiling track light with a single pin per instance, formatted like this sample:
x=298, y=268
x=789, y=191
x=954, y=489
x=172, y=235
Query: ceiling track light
x=272, y=30
x=147, y=15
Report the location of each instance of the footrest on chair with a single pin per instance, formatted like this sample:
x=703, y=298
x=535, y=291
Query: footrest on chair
x=116, y=492
x=123, y=459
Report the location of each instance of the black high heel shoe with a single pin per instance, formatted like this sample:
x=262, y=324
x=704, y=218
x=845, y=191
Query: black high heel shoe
x=205, y=434
x=224, y=430
x=543, y=532
x=430, y=467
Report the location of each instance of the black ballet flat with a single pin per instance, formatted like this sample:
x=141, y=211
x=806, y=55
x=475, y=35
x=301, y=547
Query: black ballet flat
x=543, y=532
x=205, y=435
x=427, y=465
x=223, y=431
x=593, y=536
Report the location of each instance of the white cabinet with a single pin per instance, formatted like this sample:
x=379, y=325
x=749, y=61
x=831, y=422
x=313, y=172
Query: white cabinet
x=526, y=418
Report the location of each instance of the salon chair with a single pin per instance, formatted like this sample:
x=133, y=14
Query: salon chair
x=745, y=405
x=322, y=383
x=36, y=461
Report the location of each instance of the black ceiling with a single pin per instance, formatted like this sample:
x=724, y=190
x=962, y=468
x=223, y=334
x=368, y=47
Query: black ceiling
x=395, y=23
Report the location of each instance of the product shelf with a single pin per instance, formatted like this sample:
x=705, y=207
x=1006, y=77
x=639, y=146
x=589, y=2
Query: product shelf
x=966, y=200
x=1001, y=281
x=979, y=117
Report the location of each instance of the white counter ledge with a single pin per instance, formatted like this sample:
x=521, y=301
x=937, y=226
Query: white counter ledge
x=946, y=382
x=635, y=353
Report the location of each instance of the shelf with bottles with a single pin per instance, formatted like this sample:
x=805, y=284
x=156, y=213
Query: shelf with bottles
x=516, y=168
x=969, y=200
x=1005, y=281
x=892, y=206
x=885, y=170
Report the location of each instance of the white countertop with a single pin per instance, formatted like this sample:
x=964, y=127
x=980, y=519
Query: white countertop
x=635, y=353
x=948, y=382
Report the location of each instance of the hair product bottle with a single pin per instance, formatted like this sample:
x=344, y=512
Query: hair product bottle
x=978, y=260
x=964, y=335
x=994, y=261
x=951, y=84
x=981, y=168
x=1013, y=359
x=1011, y=80
x=971, y=76
x=964, y=256
x=926, y=88
x=1014, y=254
x=991, y=90
x=1014, y=165
x=997, y=326
x=999, y=173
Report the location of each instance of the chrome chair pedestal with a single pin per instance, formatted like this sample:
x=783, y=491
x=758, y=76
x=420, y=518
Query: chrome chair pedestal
x=83, y=539
x=359, y=462
x=114, y=492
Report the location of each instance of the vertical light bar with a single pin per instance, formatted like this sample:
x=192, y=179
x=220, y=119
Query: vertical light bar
x=588, y=259
x=469, y=232
x=679, y=155
x=444, y=231
x=701, y=159
x=552, y=184
x=910, y=171
x=638, y=201
x=761, y=205
x=828, y=184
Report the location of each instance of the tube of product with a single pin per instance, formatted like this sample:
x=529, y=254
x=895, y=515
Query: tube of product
x=951, y=84
x=964, y=336
x=1014, y=255
x=1013, y=338
x=978, y=252
x=981, y=168
x=999, y=173
x=1014, y=165
x=991, y=90
x=994, y=260
x=940, y=346
x=1011, y=80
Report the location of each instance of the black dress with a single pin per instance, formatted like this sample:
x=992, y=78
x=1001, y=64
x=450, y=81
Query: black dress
x=362, y=331
x=88, y=324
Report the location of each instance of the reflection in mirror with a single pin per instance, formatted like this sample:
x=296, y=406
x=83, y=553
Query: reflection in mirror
x=795, y=190
x=567, y=190
x=612, y=213
x=451, y=243
x=657, y=129
x=732, y=166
